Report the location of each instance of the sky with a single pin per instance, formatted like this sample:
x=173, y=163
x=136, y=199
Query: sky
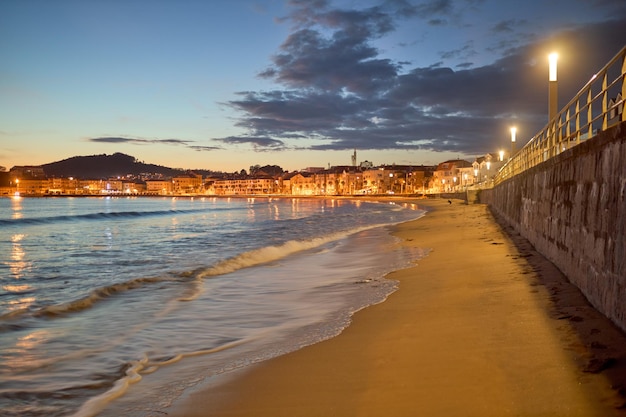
x=228, y=84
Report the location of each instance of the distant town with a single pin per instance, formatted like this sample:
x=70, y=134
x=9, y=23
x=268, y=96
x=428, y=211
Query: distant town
x=356, y=179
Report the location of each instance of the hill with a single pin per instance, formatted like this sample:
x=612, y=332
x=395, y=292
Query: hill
x=104, y=166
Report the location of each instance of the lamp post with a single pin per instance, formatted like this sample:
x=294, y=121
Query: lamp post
x=513, y=134
x=501, y=156
x=553, y=87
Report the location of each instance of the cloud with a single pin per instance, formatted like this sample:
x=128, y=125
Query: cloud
x=464, y=52
x=337, y=92
x=142, y=141
x=204, y=148
x=433, y=8
x=259, y=143
x=138, y=141
x=508, y=26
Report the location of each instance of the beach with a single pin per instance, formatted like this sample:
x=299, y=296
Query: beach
x=481, y=326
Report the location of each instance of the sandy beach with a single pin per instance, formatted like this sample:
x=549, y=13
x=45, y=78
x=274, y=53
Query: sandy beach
x=482, y=326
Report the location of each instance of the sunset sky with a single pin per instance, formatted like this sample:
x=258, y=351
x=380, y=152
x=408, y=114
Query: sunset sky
x=226, y=84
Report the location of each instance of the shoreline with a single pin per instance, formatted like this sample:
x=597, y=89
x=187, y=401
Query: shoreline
x=482, y=326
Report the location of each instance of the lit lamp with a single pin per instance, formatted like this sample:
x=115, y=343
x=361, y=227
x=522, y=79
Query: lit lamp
x=513, y=133
x=553, y=90
x=501, y=156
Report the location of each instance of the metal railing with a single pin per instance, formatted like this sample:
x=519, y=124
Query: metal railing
x=597, y=106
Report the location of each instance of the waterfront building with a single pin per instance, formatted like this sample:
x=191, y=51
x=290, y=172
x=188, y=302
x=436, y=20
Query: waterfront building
x=246, y=186
x=159, y=187
x=188, y=183
x=448, y=175
x=300, y=183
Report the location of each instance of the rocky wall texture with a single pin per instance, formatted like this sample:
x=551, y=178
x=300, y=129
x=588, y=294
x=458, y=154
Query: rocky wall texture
x=572, y=208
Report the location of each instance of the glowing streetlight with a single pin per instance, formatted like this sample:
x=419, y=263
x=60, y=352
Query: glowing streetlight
x=552, y=59
x=513, y=135
x=553, y=87
x=501, y=156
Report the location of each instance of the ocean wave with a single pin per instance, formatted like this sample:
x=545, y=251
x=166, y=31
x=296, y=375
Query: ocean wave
x=273, y=253
x=133, y=373
x=82, y=303
x=244, y=260
x=99, y=216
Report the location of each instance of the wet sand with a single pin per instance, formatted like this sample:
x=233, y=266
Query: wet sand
x=482, y=326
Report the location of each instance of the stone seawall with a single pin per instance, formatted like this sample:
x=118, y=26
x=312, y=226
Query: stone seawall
x=572, y=208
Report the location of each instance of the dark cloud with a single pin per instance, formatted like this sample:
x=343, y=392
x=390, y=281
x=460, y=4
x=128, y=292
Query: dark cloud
x=204, y=148
x=437, y=22
x=508, y=26
x=340, y=94
x=345, y=60
x=259, y=143
x=142, y=141
x=434, y=7
x=110, y=139
x=464, y=52
x=138, y=141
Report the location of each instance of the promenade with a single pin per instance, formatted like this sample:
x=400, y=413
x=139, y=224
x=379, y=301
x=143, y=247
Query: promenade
x=482, y=326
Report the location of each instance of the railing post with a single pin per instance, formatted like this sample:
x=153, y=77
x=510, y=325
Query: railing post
x=605, y=112
x=589, y=114
x=624, y=87
x=577, y=121
x=568, y=127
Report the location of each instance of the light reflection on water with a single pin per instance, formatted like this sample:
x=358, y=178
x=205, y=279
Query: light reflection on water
x=17, y=263
x=16, y=206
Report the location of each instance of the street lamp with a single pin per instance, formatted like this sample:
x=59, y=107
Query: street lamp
x=501, y=156
x=553, y=89
x=513, y=133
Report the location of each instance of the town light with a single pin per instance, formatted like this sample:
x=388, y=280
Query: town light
x=501, y=155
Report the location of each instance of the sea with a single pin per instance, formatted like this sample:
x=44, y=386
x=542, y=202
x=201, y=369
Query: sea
x=115, y=306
